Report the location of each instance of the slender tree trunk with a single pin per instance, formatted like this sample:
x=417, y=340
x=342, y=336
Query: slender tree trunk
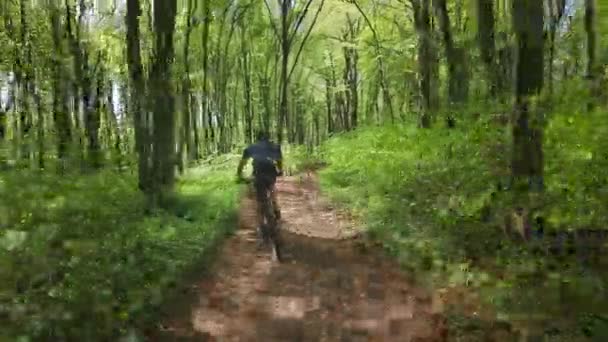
x=590, y=29
x=527, y=159
x=386, y=96
x=329, y=105
x=186, y=96
x=27, y=86
x=82, y=84
x=2, y=125
x=224, y=65
x=285, y=49
x=112, y=121
x=422, y=22
x=458, y=82
x=556, y=13
x=247, y=88
x=351, y=77
x=40, y=126
x=209, y=131
x=93, y=122
x=60, y=108
x=194, y=110
x=340, y=109
x=487, y=43
x=137, y=89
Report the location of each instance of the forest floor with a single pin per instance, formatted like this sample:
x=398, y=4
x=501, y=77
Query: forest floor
x=329, y=288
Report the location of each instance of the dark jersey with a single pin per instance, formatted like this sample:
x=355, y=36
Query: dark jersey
x=264, y=154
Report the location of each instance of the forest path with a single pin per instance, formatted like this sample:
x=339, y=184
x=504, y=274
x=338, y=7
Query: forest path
x=327, y=289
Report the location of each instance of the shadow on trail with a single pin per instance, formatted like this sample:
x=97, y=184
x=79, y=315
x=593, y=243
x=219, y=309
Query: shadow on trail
x=327, y=289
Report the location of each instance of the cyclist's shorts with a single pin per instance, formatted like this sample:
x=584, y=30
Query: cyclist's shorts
x=264, y=168
x=265, y=175
x=263, y=184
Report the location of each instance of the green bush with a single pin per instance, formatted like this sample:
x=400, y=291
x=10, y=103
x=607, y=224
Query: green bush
x=81, y=260
x=423, y=193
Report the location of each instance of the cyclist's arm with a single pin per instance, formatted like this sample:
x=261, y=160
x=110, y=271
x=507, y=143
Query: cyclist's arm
x=280, y=160
x=242, y=163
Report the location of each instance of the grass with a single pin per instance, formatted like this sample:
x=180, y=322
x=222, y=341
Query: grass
x=80, y=259
x=423, y=193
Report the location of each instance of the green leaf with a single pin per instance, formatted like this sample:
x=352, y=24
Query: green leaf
x=13, y=239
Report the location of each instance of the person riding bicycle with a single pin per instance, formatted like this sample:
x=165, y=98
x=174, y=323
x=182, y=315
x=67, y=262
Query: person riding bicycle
x=267, y=166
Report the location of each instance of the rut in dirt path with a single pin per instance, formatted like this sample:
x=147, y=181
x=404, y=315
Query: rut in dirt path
x=326, y=289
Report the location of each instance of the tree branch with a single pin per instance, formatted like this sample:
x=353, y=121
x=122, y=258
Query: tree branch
x=312, y=25
x=272, y=23
x=299, y=20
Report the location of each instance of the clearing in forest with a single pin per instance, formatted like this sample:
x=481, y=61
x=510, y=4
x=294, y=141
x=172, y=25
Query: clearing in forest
x=326, y=290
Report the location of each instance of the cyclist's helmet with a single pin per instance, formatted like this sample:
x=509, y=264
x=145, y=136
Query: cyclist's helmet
x=262, y=135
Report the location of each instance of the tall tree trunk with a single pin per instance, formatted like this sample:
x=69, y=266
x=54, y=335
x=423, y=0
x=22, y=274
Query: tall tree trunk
x=527, y=159
x=2, y=124
x=386, y=96
x=82, y=84
x=28, y=82
x=209, y=131
x=164, y=103
x=264, y=85
x=487, y=43
x=285, y=49
x=340, y=110
x=556, y=13
x=186, y=96
x=224, y=66
x=60, y=109
x=458, y=86
x=590, y=29
x=351, y=76
x=422, y=22
x=40, y=126
x=15, y=86
x=112, y=120
x=137, y=90
x=247, y=88
x=194, y=114
x=329, y=105
x=286, y=32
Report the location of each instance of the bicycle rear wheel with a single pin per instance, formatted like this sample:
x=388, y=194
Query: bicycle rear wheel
x=272, y=231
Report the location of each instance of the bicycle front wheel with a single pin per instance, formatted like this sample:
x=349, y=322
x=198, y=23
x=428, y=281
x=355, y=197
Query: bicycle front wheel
x=271, y=225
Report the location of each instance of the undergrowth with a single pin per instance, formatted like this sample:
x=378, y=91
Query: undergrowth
x=424, y=194
x=81, y=261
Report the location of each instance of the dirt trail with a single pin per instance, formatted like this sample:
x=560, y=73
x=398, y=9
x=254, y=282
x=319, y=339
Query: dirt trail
x=326, y=290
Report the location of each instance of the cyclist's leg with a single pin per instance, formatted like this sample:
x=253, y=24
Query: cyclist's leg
x=274, y=198
x=259, y=197
x=262, y=188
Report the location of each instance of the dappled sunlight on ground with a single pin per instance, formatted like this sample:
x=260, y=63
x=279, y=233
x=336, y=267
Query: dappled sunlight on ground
x=327, y=289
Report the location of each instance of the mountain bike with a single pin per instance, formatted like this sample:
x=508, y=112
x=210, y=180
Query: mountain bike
x=270, y=227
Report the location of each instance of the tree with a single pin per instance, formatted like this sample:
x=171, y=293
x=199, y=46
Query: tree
x=163, y=101
x=527, y=159
x=458, y=83
x=291, y=19
x=422, y=22
x=136, y=75
x=590, y=29
x=487, y=43
x=60, y=107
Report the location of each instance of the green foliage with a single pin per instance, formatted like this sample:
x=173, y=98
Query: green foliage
x=82, y=261
x=575, y=170
x=423, y=193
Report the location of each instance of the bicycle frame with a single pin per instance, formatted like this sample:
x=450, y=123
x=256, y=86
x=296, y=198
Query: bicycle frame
x=269, y=228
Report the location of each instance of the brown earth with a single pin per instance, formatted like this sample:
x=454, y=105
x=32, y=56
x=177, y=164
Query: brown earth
x=327, y=289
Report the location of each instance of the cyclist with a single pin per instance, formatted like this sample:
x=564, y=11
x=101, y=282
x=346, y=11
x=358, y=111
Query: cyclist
x=267, y=166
